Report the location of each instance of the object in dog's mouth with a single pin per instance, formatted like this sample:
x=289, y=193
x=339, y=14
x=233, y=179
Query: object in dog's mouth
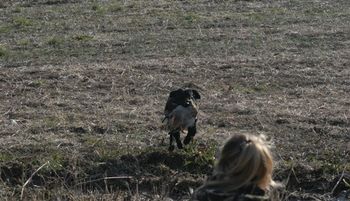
x=181, y=114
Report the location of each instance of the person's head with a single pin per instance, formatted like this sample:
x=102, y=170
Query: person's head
x=243, y=160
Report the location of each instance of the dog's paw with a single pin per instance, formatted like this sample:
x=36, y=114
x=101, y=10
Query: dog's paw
x=171, y=148
x=180, y=146
x=187, y=140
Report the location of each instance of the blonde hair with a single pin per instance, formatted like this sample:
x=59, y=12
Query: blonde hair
x=244, y=160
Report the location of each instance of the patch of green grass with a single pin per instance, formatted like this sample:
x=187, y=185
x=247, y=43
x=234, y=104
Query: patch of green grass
x=329, y=160
x=191, y=18
x=3, y=51
x=115, y=7
x=101, y=150
x=51, y=122
x=92, y=141
x=242, y=89
x=315, y=10
x=131, y=4
x=57, y=161
x=83, y=37
x=35, y=129
x=5, y=29
x=106, y=153
x=17, y=9
x=22, y=22
x=23, y=42
x=55, y=41
x=202, y=155
x=330, y=168
x=98, y=8
x=182, y=49
x=5, y=157
x=261, y=88
x=305, y=41
x=276, y=11
x=256, y=16
x=36, y=83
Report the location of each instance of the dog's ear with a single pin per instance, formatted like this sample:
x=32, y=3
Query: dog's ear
x=196, y=94
x=176, y=93
x=175, y=99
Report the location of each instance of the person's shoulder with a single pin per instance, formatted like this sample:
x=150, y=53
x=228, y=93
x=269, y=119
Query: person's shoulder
x=205, y=194
x=246, y=194
x=253, y=193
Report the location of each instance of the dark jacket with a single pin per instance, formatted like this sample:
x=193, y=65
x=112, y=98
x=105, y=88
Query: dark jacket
x=244, y=194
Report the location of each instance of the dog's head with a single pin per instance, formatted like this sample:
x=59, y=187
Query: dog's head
x=184, y=97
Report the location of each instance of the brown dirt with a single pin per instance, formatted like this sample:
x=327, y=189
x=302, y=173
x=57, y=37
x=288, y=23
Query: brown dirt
x=83, y=85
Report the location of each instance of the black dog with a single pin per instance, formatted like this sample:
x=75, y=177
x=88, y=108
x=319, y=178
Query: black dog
x=181, y=114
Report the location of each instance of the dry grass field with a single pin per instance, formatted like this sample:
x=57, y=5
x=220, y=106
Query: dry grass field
x=83, y=85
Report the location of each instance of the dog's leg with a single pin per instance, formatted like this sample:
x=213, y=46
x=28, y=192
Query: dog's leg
x=171, y=137
x=191, y=133
x=178, y=141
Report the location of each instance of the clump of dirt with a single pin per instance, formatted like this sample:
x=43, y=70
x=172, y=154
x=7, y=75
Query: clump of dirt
x=308, y=178
x=154, y=169
x=194, y=164
x=147, y=171
x=306, y=182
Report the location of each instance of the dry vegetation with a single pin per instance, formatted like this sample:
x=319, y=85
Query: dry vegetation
x=83, y=85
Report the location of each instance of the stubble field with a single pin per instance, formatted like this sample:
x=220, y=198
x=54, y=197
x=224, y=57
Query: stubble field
x=83, y=85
